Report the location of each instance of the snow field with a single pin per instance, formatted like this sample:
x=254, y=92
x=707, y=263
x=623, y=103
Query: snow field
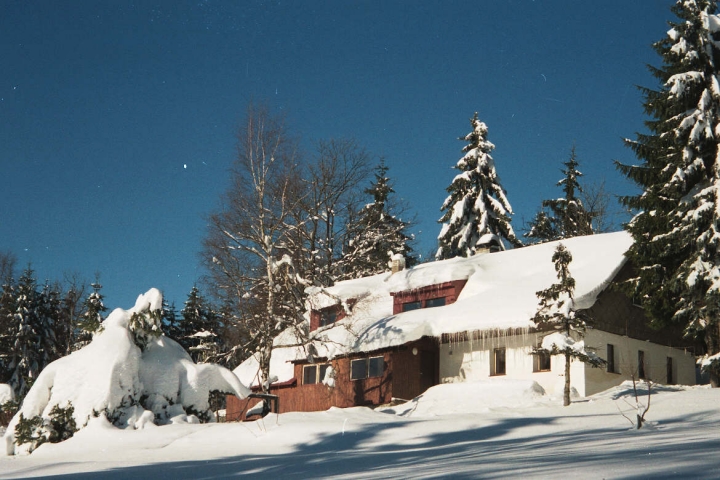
x=481, y=430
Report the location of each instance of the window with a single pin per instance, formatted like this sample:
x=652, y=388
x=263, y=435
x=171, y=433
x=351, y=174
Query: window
x=314, y=374
x=328, y=317
x=611, y=368
x=435, y=302
x=641, y=364
x=498, y=361
x=418, y=304
x=411, y=306
x=541, y=362
x=376, y=366
x=367, y=368
x=670, y=375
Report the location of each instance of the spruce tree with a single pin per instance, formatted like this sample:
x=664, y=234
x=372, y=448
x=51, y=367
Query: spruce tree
x=199, y=327
x=476, y=207
x=377, y=234
x=556, y=310
x=25, y=355
x=567, y=216
x=92, y=316
x=677, y=230
x=7, y=329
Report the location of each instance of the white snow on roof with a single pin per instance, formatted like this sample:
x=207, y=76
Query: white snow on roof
x=500, y=294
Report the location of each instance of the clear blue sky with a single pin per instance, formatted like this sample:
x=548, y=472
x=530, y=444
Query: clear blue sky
x=118, y=118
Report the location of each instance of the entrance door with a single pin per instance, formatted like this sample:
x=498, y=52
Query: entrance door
x=429, y=366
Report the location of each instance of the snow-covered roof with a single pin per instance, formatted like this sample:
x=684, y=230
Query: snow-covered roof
x=500, y=294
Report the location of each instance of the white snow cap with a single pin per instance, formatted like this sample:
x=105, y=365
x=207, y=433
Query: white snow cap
x=137, y=386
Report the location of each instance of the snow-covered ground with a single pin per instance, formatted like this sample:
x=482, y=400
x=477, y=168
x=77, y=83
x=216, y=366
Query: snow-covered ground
x=488, y=430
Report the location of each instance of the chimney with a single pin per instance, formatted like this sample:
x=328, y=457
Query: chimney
x=397, y=262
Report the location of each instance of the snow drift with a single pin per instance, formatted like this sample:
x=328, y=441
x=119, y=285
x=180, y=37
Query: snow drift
x=129, y=373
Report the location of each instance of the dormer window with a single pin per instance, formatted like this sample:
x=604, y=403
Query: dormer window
x=328, y=317
x=437, y=295
x=406, y=307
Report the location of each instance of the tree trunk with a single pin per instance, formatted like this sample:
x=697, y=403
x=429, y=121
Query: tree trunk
x=566, y=393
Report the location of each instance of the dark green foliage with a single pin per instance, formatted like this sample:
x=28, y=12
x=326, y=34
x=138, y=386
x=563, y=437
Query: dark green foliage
x=564, y=217
x=35, y=431
x=92, y=316
x=199, y=330
x=7, y=411
x=376, y=235
x=556, y=310
x=62, y=423
x=476, y=208
x=30, y=431
x=677, y=227
x=145, y=326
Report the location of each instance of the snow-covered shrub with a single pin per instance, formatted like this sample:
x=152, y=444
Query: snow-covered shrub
x=33, y=432
x=130, y=373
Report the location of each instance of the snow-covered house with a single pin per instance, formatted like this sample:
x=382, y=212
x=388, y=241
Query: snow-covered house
x=393, y=335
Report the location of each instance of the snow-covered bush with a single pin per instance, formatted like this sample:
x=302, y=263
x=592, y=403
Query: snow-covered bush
x=129, y=373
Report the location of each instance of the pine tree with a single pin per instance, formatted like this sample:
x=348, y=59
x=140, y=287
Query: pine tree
x=377, y=234
x=24, y=360
x=567, y=215
x=677, y=230
x=92, y=316
x=7, y=330
x=476, y=207
x=557, y=310
x=199, y=327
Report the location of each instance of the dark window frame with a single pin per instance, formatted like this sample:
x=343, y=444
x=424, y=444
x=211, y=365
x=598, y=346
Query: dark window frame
x=410, y=306
x=642, y=373
x=368, y=367
x=328, y=316
x=499, y=361
x=319, y=370
x=426, y=303
x=541, y=362
x=611, y=365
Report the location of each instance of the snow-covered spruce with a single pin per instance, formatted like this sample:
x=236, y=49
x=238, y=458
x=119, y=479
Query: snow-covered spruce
x=557, y=309
x=476, y=207
x=677, y=230
x=563, y=217
x=129, y=373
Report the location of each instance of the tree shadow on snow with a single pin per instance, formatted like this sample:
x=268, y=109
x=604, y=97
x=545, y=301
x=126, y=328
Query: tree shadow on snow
x=500, y=449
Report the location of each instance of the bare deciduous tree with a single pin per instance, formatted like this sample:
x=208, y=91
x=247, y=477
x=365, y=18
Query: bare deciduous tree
x=247, y=244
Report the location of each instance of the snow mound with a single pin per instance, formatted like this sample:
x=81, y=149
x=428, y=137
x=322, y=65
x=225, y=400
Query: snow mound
x=471, y=397
x=129, y=373
x=6, y=393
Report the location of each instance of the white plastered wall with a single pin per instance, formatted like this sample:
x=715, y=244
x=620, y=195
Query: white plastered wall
x=473, y=360
x=626, y=361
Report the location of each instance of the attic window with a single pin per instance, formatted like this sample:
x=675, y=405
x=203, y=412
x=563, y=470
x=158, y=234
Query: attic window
x=406, y=307
x=429, y=303
x=435, y=302
x=328, y=317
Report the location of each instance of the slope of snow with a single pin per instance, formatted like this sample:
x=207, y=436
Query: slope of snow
x=114, y=376
x=529, y=437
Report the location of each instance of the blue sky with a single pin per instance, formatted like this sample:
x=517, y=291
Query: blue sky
x=118, y=119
